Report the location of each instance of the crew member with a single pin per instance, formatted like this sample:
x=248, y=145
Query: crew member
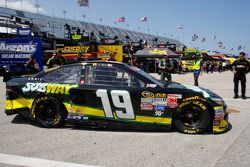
x=112, y=56
x=220, y=67
x=79, y=57
x=54, y=61
x=240, y=68
x=198, y=67
x=32, y=66
x=59, y=53
x=165, y=66
x=179, y=66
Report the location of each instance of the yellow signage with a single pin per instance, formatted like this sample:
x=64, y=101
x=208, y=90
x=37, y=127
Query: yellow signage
x=76, y=37
x=158, y=52
x=111, y=48
x=83, y=49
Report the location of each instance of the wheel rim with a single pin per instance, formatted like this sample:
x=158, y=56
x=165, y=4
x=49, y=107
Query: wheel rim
x=47, y=112
x=191, y=116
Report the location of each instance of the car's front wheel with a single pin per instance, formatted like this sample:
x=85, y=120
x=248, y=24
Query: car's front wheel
x=192, y=117
x=49, y=112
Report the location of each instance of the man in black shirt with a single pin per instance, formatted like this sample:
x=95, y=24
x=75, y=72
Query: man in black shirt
x=240, y=68
x=59, y=53
x=54, y=61
x=165, y=67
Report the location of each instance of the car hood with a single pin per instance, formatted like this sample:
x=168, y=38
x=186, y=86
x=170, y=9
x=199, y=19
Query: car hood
x=206, y=92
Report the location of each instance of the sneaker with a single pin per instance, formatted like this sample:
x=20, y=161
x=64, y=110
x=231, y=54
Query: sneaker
x=236, y=96
x=244, y=97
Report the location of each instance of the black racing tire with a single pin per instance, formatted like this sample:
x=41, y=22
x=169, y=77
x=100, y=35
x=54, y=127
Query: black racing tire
x=192, y=117
x=49, y=112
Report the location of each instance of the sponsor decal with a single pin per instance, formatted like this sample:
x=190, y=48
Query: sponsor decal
x=193, y=103
x=219, y=110
x=172, y=100
x=77, y=117
x=147, y=94
x=24, y=31
x=51, y=69
x=48, y=88
x=109, y=41
x=193, y=98
x=160, y=108
x=83, y=49
x=160, y=101
x=74, y=117
x=85, y=118
x=158, y=52
x=146, y=100
x=159, y=113
x=219, y=113
x=218, y=117
x=160, y=95
x=147, y=106
x=217, y=123
x=151, y=85
x=191, y=131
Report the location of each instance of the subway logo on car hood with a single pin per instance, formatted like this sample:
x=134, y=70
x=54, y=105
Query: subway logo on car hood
x=48, y=88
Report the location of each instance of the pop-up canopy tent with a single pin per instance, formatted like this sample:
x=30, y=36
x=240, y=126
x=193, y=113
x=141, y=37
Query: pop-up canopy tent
x=205, y=56
x=155, y=53
x=152, y=54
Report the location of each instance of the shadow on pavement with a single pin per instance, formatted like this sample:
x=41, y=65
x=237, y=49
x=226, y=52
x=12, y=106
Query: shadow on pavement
x=19, y=119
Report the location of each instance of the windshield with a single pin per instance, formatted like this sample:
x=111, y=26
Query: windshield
x=146, y=75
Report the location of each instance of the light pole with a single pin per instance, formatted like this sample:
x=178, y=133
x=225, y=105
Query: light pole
x=21, y=1
x=37, y=6
x=64, y=14
x=83, y=16
x=100, y=19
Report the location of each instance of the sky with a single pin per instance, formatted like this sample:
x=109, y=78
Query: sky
x=228, y=20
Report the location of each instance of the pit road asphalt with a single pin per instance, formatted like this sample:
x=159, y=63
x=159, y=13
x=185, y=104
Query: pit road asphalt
x=21, y=137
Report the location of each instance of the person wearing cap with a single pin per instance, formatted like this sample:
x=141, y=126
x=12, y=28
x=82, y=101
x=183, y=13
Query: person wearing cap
x=32, y=66
x=54, y=61
x=59, y=53
x=240, y=68
x=165, y=66
x=198, y=67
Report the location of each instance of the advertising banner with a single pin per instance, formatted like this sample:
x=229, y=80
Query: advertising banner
x=15, y=52
x=24, y=32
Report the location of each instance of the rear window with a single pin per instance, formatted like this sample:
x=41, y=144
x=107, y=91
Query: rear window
x=69, y=75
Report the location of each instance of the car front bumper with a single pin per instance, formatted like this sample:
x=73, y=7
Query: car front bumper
x=220, y=123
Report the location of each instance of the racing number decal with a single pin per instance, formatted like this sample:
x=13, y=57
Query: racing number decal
x=103, y=94
x=124, y=103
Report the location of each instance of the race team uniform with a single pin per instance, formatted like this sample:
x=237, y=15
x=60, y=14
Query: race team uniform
x=165, y=72
x=242, y=67
x=197, y=70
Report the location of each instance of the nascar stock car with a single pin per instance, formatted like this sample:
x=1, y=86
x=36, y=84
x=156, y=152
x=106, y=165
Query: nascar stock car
x=114, y=93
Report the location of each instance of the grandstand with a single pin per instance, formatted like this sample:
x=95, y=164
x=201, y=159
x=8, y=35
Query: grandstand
x=48, y=26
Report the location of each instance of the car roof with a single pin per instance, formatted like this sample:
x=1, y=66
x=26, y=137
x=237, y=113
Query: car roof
x=96, y=61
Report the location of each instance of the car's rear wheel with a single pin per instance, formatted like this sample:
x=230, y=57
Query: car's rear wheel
x=49, y=112
x=192, y=117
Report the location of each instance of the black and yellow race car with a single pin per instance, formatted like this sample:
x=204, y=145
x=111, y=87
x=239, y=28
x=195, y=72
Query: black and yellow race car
x=114, y=94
